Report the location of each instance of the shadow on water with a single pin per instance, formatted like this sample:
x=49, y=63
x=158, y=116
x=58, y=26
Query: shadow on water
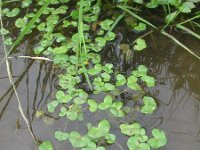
x=177, y=92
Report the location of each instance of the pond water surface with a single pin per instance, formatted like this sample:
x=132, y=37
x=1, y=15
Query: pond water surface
x=177, y=91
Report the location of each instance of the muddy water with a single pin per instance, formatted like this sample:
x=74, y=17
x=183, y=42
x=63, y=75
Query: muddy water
x=177, y=92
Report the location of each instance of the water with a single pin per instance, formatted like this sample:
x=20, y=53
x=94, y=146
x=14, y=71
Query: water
x=177, y=91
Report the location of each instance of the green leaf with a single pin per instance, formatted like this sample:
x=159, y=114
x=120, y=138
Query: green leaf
x=60, y=10
x=171, y=17
x=130, y=129
x=100, y=131
x=46, y=145
x=51, y=106
x=106, y=77
x=62, y=98
x=60, y=136
x=110, y=138
x=134, y=144
x=100, y=41
x=175, y=3
x=77, y=140
x=106, y=24
x=96, y=70
x=41, y=26
x=138, y=1
x=111, y=36
x=141, y=71
x=26, y=3
x=20, y=23
x=73, y=59
x=63, y=111
x=140, y=44
x=82, y=98
x=60, y=50
x=149, y=105
x=108, y=68
x=3, y=31
x=186, y=7
x=106, y=103
x=61, y=59
x=132, y=83
x=117, y=112
x=140, y=27
x=159, y=139
x=14, y=12
x=152, y=4
x=8, y=41
x=116, y=109
x=150, y=81
x=108, y=87
x=121, y=80
x=92, y=105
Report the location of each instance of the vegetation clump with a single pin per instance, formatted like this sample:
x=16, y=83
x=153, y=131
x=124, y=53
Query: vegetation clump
x=73, y=34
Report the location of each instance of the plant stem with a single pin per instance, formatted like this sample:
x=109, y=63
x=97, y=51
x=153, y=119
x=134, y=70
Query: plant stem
x=82, y=41
x=188, y=30
x=12, y=82
x=193, y=18
x=26, y=29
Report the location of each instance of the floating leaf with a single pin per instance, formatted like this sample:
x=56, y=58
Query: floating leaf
x=107, y=102
x=132, y=83
x=60, y=50
x=92, y=105
x=100, y=131
x=51, y=106
x=100, y=41
x=46, y=145
x=20, y=23
x=111, y=36
x=110, y=138
x=62, y=97
x=106, y=77
x=138, y=1
x=186, y=7
x=134, y=144
x=149, y=105
x=150, y=81
x=116, y=109
x=152, y=4
x=140, y=27
x=130, y=129
x=11, y=13
x=140, y=44
x=63, y=111
x=108, y=68
x=77, y=140
x=159, y=139
x=121, y=80
x=108, y=87
x=60, y=136
x=106, y=24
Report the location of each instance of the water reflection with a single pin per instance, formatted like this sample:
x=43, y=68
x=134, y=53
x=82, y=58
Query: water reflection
x=177, y=92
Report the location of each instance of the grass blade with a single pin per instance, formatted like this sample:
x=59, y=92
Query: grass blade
x=180, y=44
x=115, y=23
x=26, y=29
x=188, y=30
x=82, y=44
x=124, y=8
x=162, y=31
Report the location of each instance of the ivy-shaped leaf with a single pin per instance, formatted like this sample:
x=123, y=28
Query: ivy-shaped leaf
x=149, y=105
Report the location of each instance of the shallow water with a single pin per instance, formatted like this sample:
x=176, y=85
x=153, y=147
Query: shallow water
x=177, y=91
